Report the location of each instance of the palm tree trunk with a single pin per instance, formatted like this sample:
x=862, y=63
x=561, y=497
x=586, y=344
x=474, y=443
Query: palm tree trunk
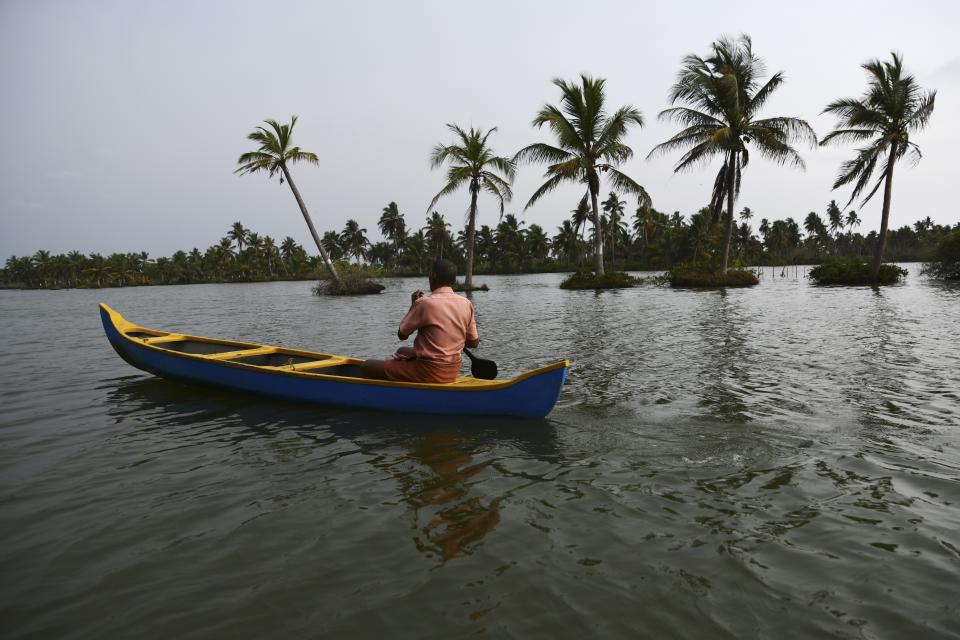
x=885, y=218
x=731, y=163
x=313, y=230
x=597, y=235
x=471, y=234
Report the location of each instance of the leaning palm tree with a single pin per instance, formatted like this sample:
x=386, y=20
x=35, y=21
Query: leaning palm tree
x=892, y=107
x=721, y=97
x=474, y=164
x=589, y=142
x=274, y=155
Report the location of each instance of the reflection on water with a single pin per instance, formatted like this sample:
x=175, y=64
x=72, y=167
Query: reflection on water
x=434, y=466
x=779, y=461
x=723, y=371
x=439, y=486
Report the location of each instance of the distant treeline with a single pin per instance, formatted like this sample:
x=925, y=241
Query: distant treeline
x=647, y=239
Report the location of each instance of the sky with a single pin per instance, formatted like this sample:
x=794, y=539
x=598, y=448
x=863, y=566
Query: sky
x=123, y=120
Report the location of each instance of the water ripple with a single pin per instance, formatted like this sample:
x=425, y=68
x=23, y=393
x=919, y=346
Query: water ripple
x=774, y=462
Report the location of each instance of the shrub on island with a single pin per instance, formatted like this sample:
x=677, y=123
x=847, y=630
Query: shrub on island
x=854, y=271
x=946, y=258
x=355, y=280
x=704, y=275
x=589, y=280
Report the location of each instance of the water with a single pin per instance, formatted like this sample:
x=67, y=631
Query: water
x=779, y=462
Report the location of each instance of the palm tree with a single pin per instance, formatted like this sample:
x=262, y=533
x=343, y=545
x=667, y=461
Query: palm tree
x=99, y=269
x=437, y=233
x=238, y=234
x=613, y=207
x=721, y=97
x=853, y=220
x=537, y=244
x=642, y=219
x=223, y=254
x=509, y=239
x=764, y=229
x=332, y=244
x=474, y=164
x=287, y=249
x=700, y=226
x=565, y=242
x=41, y=261
x=816, y=230
x=892, y=107
x=416, y=248
x=271, y=252
x=589, y=142
x=835, y=216
x=354, y=241
x=581, y=215
x=393, y=226
x=274, y=155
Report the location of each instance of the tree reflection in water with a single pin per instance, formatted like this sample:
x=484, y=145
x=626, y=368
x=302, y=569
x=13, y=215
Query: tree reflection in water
x=725, y=371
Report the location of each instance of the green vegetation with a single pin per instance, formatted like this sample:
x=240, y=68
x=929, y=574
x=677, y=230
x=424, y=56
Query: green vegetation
x=591, y=280
x=658, y=242
x=717, y=102
x=464, y=288
x=946, y=258
x=589, y=142
x=240, y=256
x=709, y=276
x=721, y=97
x=892, y=107
x=352, y=279
x=855, y=271
x=473, y=163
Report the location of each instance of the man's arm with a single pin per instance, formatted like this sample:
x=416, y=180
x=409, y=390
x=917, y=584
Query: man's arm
x=472, y=339
x=411, y=322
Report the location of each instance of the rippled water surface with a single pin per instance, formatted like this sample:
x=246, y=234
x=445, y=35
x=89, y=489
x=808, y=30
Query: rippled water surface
x=777, y=462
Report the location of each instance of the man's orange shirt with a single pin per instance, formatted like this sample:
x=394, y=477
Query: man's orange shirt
x=444, y=322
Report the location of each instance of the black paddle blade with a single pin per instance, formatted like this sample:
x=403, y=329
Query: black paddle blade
x=481, y=368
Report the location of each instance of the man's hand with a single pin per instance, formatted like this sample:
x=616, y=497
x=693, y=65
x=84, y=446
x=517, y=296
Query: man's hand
x=405, y=353
x=416, y=295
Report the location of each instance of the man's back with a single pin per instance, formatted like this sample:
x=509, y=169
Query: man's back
x=444, y=322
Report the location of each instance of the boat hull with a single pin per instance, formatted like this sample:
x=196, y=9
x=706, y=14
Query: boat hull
x=530, y=396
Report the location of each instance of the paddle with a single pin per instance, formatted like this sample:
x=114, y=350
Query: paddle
x=480, y=368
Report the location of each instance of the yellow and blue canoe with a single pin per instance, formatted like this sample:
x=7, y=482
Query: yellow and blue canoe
x=292, y=374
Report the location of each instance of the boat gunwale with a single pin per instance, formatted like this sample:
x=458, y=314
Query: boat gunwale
x=125, y=325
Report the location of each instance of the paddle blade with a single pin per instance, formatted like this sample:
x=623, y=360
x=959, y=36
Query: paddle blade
x=481, y=368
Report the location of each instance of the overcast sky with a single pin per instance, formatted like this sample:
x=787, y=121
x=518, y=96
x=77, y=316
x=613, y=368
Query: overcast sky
x=123, y=120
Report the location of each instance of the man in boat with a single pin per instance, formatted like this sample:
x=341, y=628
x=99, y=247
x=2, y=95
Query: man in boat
x=444, y=324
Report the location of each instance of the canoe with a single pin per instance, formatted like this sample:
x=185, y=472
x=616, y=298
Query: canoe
x=292, y=374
